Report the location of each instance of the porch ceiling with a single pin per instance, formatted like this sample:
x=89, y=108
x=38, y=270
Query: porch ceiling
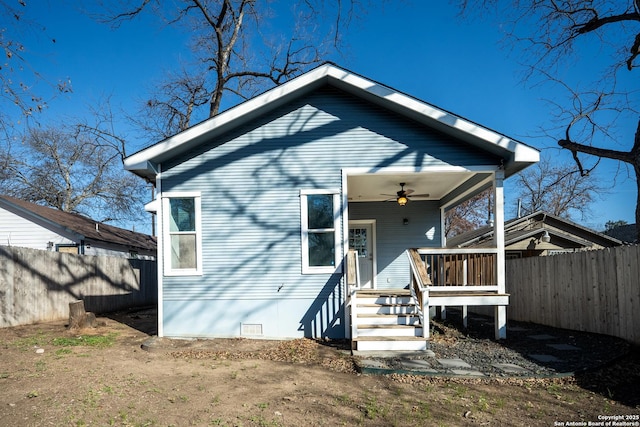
x=380, y=187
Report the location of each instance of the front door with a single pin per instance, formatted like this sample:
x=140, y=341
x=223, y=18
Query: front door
x=362, y=239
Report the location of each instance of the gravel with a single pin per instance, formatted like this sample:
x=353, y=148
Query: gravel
x=542, y=351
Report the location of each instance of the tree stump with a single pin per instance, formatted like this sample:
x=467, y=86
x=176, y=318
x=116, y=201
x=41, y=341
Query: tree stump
x=79, y=318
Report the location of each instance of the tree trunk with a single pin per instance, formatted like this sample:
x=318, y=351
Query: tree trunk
x=78, y=318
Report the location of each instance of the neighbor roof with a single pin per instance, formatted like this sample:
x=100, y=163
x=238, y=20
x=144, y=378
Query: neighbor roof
x=517, y=229
x=81, y=226
x=516, y=154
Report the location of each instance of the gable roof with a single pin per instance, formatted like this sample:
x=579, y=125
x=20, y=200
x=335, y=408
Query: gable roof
x=82, y=227
x=535, y=224
x=626, y=233
x=516, y=155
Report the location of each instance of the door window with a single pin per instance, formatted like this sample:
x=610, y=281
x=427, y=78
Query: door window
x=358, y=241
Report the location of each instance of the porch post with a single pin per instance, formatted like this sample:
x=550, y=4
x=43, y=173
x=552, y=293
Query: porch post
x=500, y=319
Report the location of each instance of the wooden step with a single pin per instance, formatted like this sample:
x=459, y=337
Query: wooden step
x=372, y=330
x=389, y=319
x=385, y=292
x=390, y=344
x=400, y=309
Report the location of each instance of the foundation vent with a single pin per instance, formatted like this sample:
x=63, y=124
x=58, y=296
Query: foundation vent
x=251, y=329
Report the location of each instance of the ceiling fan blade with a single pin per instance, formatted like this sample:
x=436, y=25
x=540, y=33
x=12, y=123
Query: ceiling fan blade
x=420, y=195
x=408, y=191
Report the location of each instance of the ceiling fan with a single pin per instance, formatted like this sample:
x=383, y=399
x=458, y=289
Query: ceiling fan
x=402, y=196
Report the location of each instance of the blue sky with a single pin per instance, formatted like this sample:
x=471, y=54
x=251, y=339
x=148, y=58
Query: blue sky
x=420, y=48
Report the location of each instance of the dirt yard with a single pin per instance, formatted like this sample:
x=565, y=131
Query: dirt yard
x=102, y=377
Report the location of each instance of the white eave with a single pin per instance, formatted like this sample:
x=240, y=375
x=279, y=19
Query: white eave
x=516, y=154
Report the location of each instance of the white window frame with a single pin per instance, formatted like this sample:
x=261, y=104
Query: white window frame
x=304, y=230
x=166, y=217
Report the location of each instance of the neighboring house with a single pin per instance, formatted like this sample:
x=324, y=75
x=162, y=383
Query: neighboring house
x=626, y=233
x=258, y=206
x=538, y=234
x=34, y=226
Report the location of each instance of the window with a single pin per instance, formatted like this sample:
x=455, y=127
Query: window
x=183, y=244
x=320, y=223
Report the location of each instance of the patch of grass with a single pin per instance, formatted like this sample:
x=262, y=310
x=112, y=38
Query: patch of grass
x=372, y=408
x=261, y=421
x=62, y=352
x=41, y=366
x=32, y=394
x=421, y=411
x=344, y=399
x=483, y=404
x=459, y=391
x=4, y=375
x=27, y=343
x=86, y=340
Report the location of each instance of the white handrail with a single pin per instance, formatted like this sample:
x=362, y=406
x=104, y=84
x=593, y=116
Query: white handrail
x=421, y=302
x=353, y=287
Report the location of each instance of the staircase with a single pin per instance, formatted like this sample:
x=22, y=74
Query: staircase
x=386, y=320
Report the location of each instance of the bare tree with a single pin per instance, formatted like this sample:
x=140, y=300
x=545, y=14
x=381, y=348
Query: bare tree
x=17, y=77
x=237, y=50
x=550, y=35
x=173, y=105
x=73, y=168
x=558, y=189
x=469, y=215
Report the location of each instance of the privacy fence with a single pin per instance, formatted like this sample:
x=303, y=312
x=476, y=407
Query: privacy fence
x=595, y=291
x=38, y=285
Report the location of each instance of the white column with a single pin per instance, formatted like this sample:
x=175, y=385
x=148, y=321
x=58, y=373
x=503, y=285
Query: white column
x=498, y=234
x=160, y=251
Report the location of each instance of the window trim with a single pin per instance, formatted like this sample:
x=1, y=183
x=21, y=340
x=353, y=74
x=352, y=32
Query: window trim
x=304, y=232
x=166, y=219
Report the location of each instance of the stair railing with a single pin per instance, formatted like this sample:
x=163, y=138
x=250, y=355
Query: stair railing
x=353, y=285
x=419, y=288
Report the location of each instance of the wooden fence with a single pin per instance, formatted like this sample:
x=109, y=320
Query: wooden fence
x=38, y=286
x=595, y=291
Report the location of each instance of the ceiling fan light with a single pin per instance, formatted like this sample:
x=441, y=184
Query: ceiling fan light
x=402, y=200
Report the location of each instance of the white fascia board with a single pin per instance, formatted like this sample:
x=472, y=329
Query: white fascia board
x=525, y=154
x=522, y=152
x=445, y=121
x=152, y=206
x=240, y=112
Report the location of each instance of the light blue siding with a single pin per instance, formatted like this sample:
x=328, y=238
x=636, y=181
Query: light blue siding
x=393, y=237
x=250, y=182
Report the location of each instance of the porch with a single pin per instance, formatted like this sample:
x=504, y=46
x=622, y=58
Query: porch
x=399, y=319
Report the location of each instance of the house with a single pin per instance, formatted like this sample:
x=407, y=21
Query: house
x=29, y=225
x=537, y=234
x=258, y=207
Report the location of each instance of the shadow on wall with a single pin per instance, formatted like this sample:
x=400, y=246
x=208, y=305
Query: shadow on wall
x=39, y=285
x=325, y=315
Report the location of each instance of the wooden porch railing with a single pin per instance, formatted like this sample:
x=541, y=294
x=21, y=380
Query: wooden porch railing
x=460, y=267
x=456, y=277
